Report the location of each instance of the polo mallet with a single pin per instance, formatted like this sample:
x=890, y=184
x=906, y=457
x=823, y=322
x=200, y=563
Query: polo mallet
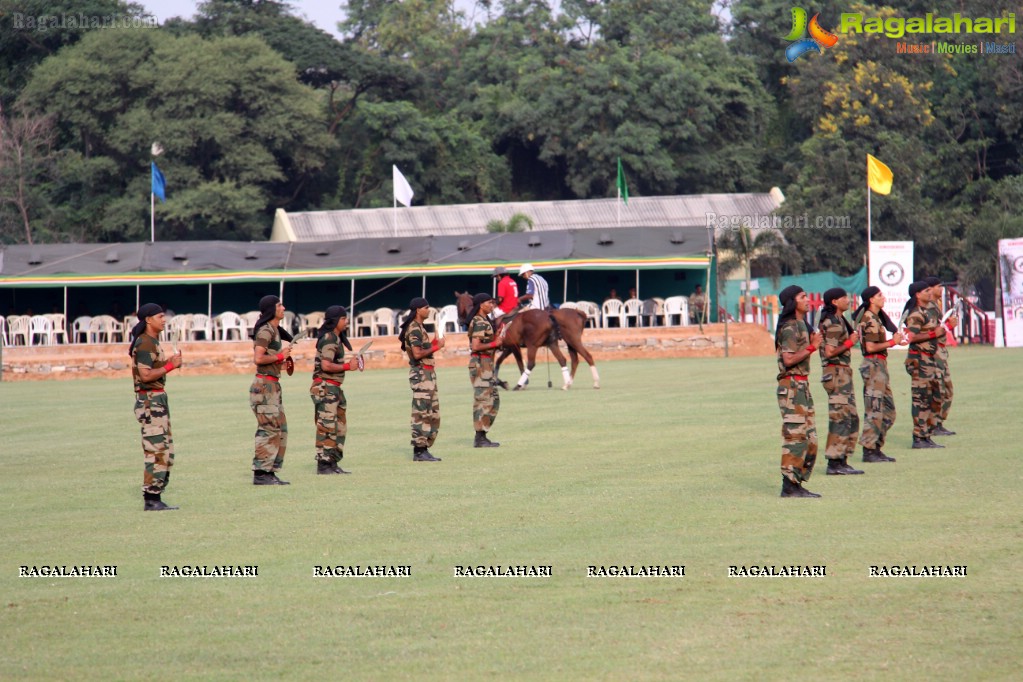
x=547, y=354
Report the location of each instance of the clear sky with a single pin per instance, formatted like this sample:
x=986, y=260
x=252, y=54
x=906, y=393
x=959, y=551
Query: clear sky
x=325, y=13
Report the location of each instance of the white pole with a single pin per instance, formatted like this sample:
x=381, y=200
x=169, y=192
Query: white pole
x=152, y=217
x=137, y=294
x=868, y=228
x=564, y=294
x=209, y=303
x=351, y=304
x=424, y=286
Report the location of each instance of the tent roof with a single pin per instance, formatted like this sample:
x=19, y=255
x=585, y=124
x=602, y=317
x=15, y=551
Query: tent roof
x=465, y=219
x=215, y=261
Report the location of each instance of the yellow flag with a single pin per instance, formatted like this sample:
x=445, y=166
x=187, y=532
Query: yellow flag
x=879, y=176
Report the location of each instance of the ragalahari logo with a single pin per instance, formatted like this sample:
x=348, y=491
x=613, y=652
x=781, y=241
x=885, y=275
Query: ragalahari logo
x=819, y=37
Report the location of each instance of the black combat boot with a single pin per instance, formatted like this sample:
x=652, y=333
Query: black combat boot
x=942, y=431
x=924, y=443
x=790, y=489
x=483, y=442
x=260, y=477
x=154, y=503
x=840, y=467
x=423, y=455
x=325, y=468
x=875, y=455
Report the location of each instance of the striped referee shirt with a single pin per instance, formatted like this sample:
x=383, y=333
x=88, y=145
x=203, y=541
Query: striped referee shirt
x=537, y=286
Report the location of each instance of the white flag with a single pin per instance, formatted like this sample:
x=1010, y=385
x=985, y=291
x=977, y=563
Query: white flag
x=402, y=190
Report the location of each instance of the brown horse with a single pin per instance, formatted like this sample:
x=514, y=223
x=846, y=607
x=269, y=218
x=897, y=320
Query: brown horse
x=533, y=330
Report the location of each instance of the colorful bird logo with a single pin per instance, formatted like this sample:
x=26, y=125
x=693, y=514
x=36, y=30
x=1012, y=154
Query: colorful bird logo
x=819, y=36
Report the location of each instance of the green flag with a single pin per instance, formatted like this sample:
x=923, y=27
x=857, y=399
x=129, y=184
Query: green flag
x=623, y=189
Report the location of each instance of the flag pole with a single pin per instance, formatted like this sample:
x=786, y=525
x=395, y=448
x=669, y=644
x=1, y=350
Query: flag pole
x=152, y=217
x=619, y=205
x=868, y=224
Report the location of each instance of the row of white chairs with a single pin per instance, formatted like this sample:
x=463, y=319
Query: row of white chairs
x=634, y=312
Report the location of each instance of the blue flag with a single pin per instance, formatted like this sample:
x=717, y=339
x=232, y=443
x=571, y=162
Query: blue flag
x=159, y=184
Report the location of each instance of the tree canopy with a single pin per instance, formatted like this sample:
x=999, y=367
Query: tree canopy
x=510, y=100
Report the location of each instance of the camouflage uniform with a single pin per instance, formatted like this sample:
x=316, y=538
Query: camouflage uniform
x=423, y=379
x=922, y=367
x=485, y=399
x=843, y=421
x=153, y=414
x=266, y=404
x=798, y=430
x=878, y=401
x=329, y=400
x=941, y=358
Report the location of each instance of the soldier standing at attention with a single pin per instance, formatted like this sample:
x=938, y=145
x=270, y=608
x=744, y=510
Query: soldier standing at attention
x=794, y=344
x=843, y=421
x=149, y=370
x=485, y=399
x=878, y=402
x=422, y=377
x=923, y=330
x=271, y=348
x=331, y=408
x=941, y=357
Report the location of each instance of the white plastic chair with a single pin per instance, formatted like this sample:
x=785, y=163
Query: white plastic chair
x=3, y=331
x=676, y=305
x=227, y=322
x=80, y=328
x=592, y=311
x=610, y=310
x=447, y=319
x=199, y=324
x=632, y=308
x=250, y=318
x=363, y=321
x=17, y=325
x=312, y=321
x=179, y=328
x=40, y=330
x=569, y=305
x=383, y=318
x=59, y=333
x=430, y=323
x=653, y=308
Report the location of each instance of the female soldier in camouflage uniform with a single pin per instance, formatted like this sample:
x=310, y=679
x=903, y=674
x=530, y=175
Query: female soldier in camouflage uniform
x=149, y=370
x=843, y=422
x=794, y=344
x=271, y=348
x=331, y=408
x=878, y=402
x=485, y=398
x=923, y=331
x=422, y=378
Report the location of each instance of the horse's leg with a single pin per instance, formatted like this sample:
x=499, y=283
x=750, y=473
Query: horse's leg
x=566, y=378
x=574, y=355
x=530, y=364
x=577, y=345
x=505, y=352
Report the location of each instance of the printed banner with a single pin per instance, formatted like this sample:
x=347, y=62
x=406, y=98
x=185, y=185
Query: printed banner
x=891, y=271
x=1010, y=263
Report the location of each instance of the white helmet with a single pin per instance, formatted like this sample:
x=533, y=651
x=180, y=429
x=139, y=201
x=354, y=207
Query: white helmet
x=526, y=267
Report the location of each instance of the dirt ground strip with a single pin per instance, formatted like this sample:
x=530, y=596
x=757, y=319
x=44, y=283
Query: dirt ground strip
x=79, y=361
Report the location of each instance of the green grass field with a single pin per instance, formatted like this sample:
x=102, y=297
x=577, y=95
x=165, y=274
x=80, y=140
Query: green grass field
x=671, y=462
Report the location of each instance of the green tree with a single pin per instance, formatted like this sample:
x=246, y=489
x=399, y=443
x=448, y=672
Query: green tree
x=519, y=222
x=241, y=134
x=27, y=165
x=763, y=253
